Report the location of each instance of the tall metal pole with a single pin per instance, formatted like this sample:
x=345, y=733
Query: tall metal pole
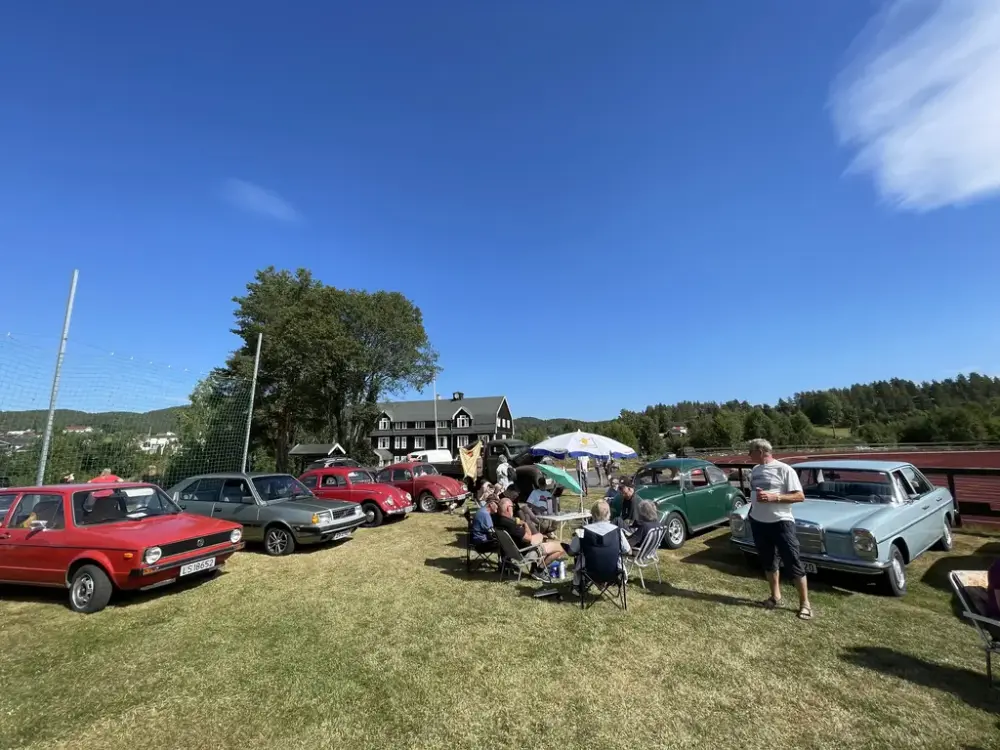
x=436, y=443
x=253, y=394
x=47, y=439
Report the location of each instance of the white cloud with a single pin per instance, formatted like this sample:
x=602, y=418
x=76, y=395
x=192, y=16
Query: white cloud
x=919, y=102
x=259, y=200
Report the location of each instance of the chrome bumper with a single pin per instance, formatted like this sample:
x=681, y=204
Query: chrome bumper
x=826, y=562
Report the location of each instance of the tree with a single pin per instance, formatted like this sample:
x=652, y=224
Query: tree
x=830, y=411
x=328, y=357
x=648, y=435
x=757, y=424
x=532, y=435
x=617, y=430
x=726, y=429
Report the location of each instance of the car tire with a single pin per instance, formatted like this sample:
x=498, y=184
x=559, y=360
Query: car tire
x=373, y=513
x=89, y=590
x=894, y=579
x=426, y=502
x=278, y=541
x=738, y=502
x=947, y=540
x=676, y=531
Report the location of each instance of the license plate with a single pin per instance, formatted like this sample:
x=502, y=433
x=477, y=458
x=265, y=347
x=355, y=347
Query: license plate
x=408, y=509
x=342, y=534
x=195, y=567
x=809, y=567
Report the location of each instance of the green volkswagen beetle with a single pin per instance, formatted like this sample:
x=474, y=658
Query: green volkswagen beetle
x=690, y=495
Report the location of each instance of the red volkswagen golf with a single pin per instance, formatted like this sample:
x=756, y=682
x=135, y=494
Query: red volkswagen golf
x=96, y=538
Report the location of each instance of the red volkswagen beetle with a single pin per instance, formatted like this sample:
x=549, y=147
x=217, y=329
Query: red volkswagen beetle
x=425, y=484
x=95, y=538
x=379, y=501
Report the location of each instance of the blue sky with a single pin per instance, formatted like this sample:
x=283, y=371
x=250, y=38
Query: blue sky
x=706, y=200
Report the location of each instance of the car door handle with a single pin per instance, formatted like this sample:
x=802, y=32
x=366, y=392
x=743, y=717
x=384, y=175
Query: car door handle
x=924, y=507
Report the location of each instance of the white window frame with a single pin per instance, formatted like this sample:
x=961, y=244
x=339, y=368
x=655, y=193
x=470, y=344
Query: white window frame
x=384, y=423
x=462, y=421
x=442, y=442
x=461, y=441
x=383, y=443
x=420, y=426
x=400, y=443
x=399, y=425
x=442, y=424
x=418, y=443
x=484, y=439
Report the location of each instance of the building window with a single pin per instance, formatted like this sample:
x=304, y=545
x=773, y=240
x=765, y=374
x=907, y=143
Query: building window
x=462, y=441
x=421, y=426
x=443, y=442
x=462, y=421
x=383, y=423
x=399, y=425
x=484, y=439
x=398, y=459
x=383, y=443
x=418, y=443
x=400, y=442
x=442, y=423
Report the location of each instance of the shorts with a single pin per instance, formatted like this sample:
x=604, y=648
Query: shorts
x=777, y=541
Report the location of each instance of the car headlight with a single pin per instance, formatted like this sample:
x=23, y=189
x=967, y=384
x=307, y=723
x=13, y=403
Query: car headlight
x=151, y=555
x=864, y=543
x=390, y=502
x=737, y=525
x=322, y=519
x=235, y=535
x=409, y=497
x=443, y=492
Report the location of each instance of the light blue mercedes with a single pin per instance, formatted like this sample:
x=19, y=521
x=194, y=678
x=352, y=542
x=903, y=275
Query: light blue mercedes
x=866, y=517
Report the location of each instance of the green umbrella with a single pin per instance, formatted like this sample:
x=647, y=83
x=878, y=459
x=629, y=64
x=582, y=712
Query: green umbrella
x=561, y=477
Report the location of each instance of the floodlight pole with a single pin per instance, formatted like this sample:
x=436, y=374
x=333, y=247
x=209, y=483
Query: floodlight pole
x=436, y=443
x=47, y=438
x=253, y=393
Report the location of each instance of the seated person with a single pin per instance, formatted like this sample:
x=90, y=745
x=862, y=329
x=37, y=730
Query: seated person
x=521, y=510
x=647, y=520
x=600, y=524
x=993, y=590
x=520, y=534
x=541, y=501
x=483, y=490
x=482, y=523
x=627, y=510
x=613, y=488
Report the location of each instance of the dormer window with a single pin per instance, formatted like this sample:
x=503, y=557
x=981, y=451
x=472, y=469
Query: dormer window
x=383, y=423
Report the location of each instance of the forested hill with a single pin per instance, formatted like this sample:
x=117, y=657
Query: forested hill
x=961, y=409
x=160, y=420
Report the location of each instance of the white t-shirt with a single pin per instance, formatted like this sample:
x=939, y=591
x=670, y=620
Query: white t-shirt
x=583, y=463
x=773, y=476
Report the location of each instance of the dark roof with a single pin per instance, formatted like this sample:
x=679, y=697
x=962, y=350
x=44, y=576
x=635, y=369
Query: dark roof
x=316, y=449
x=483, y=409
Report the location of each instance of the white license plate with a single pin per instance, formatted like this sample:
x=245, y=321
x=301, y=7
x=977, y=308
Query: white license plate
x=197, y=566
x=342, y=534
x=809, y=567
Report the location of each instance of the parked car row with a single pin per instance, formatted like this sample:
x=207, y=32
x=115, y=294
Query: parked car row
x=96, y=538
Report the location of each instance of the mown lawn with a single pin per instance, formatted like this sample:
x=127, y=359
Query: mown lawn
x=385, y=642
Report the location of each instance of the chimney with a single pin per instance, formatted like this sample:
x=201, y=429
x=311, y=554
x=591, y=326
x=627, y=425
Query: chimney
x=457, y=396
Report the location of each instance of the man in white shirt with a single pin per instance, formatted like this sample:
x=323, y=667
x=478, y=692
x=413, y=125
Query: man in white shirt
x=582, y=467
x=774, y=486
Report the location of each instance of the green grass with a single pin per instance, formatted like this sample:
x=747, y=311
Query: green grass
x=385, y=642
x=842, y=433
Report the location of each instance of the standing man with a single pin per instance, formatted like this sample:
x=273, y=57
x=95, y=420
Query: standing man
x=582, y=467
x=774, y=486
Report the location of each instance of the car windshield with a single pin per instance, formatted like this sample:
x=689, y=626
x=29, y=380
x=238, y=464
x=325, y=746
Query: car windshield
x=422, y=469
x=649, y=476
x=280, y=487
x=361, y=477
x=92, y=507
x=847, y=485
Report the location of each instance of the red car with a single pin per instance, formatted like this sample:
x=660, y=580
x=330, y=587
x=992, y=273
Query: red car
x=423, y=482
x=94, y=538
x=378, y=501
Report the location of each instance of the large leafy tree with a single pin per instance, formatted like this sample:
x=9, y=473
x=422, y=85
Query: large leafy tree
x=328, y=356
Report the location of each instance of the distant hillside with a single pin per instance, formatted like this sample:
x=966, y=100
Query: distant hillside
x=556, y=426
x=159, y=420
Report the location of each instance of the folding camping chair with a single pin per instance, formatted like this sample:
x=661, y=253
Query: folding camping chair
x=487, y=553
x=648, y=554
x=603, y=566
x=970, y=588
x=521, y=559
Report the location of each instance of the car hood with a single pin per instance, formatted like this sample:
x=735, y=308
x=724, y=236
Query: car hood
x=384, y=491
x=833, y=515
x=449, y=485
x=156, y=531
x=311, y=505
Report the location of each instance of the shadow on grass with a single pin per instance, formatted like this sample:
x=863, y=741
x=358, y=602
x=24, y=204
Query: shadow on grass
x=936, y=575
x=456, y=568
x=667, y=589
x=60, y=596
x=968, y=686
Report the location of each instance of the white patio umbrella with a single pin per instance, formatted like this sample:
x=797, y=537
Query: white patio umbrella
x=580, y=443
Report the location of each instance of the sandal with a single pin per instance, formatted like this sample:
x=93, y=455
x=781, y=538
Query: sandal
x=771, y=603
x=805, y=613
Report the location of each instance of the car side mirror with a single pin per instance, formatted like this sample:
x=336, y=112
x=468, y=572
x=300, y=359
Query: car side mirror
x=38, y=525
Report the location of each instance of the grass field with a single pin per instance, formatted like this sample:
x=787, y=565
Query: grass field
x=385, y=642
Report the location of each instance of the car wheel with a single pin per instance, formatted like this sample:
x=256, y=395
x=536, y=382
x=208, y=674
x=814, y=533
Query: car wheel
x=426, y=503
x=738, y=502
x=676, y=531
x=90, y=590
x=894, y=580
x=373, y=513
x=278, y=541
x=947, y=540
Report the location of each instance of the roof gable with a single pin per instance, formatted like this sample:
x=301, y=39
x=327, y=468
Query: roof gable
x=483, y=409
